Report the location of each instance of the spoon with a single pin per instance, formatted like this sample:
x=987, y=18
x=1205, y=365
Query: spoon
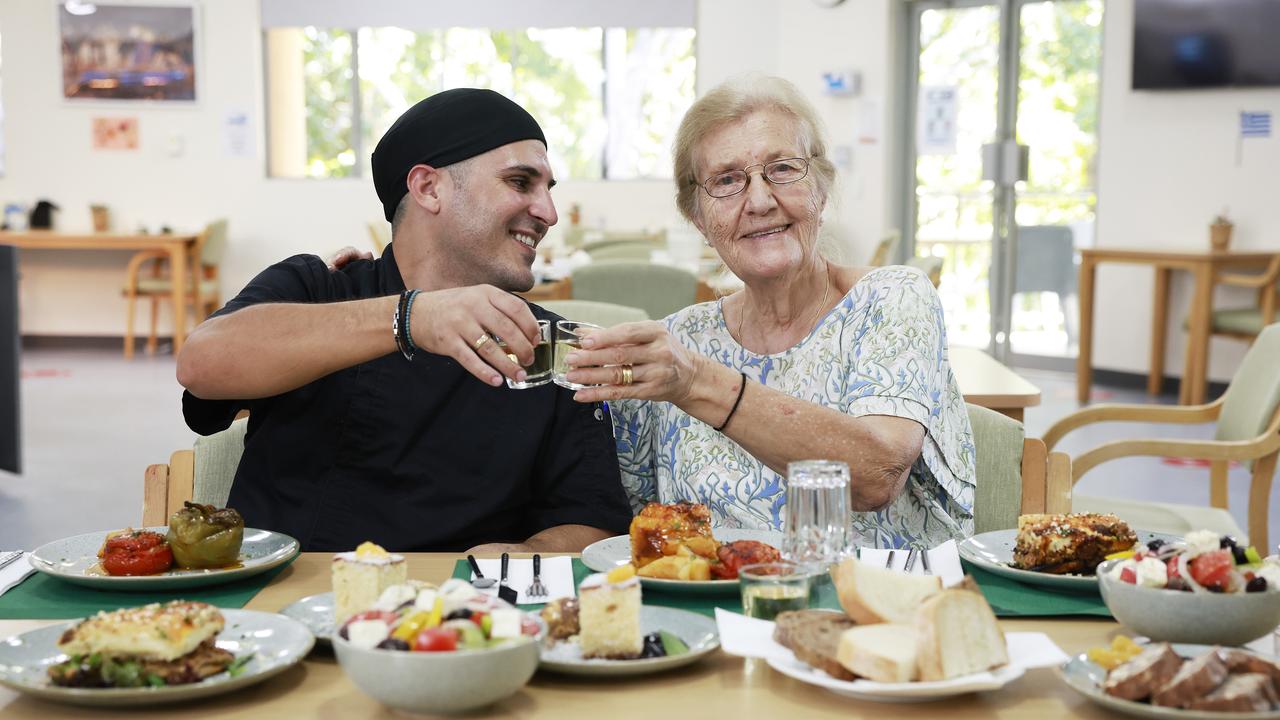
x=480, y=580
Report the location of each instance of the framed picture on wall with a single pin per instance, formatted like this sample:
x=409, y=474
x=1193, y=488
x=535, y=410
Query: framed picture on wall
x=128, y=52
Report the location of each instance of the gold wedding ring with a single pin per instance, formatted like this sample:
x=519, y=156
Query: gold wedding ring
x=627, y=376
x=480, y=341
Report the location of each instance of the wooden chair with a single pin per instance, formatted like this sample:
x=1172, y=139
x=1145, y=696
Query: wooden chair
x=883, y=253
x=1017, y=475
x=202, y=473
x=204, y=297
x=932, y=266
x=379, y=235
x=657, y=289
x=599, y=313
x=1248, y=432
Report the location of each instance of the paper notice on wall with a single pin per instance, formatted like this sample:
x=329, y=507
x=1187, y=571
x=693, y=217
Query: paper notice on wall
x=238, y=140
x=936, y=120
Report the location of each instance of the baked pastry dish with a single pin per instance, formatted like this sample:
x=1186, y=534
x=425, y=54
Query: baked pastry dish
x=1075, y=543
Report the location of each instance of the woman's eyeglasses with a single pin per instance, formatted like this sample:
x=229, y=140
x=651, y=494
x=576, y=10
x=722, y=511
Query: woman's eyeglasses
x=777, y=172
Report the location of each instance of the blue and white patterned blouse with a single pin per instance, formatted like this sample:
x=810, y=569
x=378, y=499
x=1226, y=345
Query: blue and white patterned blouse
x=881, y=351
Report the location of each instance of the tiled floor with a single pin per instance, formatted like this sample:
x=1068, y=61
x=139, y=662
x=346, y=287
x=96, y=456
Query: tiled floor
x=92, y=422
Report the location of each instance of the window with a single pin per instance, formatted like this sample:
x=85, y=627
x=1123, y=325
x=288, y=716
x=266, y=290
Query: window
x=608, y=99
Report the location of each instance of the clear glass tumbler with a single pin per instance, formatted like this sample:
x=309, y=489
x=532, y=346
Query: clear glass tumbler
x=568, y=339
x=539, y=373
x=772, y=588
x=816, y=526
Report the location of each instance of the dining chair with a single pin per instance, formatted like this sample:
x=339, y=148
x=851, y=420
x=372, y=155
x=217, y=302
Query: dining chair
x=1046, y=263
x=1016, y=474
x=657, y=289
x=930, y=264
x=598, y=313
x=204, y=297
x=1247, y=431
x=883, y=254
x=202, y=474
x=1245, y=323
x=379, y=235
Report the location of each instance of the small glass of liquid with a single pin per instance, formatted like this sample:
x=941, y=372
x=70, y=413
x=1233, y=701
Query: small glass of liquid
x=539, y=373
x=816, y=521
x=772, y=588
x=568, y=338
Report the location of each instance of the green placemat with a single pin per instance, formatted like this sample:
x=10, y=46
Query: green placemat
x=47, y=598
x=1007, y=598
x=1010, y=598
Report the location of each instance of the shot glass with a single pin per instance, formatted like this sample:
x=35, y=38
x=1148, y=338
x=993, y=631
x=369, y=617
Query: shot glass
x=568, y=339
x=816, y=521
x=539, y=373
x=772, y=588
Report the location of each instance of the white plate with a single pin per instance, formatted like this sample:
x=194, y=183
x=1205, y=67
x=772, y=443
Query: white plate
x=275, y=642
x=75, y=559
x=993, y=552
x=897, y=692
x=316, y=612
x=697, y=631
x=1085, y=677
x=606, y=554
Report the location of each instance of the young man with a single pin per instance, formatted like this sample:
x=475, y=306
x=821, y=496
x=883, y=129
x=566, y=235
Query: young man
x=378, y=409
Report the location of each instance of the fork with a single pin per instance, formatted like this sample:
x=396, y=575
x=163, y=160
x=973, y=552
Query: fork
x=536, y=589
x=9, y=558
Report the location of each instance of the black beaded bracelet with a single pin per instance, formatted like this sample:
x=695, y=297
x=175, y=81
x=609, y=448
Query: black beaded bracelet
x=400, y=324
x=741, y=389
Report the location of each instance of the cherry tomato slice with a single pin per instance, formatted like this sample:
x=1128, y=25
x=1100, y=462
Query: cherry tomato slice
x=436, y=640
x=1212, y=569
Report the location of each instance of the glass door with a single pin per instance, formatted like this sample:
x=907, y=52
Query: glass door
x=1004, y=148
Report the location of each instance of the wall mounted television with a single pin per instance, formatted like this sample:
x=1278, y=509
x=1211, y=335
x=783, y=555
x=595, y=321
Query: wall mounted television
x=1205, y=43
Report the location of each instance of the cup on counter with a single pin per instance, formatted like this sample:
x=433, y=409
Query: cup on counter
x=539, y=373
x=568, y=339
x=776, y=587
x=816, y=526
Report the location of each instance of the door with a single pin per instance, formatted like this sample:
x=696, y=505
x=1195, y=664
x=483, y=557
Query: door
x=1004, y=99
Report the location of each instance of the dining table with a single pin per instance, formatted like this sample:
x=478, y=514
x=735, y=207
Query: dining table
x=720, y=685
x=180, y=248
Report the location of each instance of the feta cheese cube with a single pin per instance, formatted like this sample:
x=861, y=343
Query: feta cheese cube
x=506, y=623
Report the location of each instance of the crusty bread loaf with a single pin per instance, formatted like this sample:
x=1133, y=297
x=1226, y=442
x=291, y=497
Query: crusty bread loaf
x=814, y=637
x=1143, y=675
x=957, y=634
x=872, y=594
x=884, y=652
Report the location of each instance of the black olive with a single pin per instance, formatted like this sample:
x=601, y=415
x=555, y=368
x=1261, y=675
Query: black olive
x=1257, y=584
x=1237, y=554
x=393, y=644
x=343, y=633
x=1226, y=542
x=459, y=614
x=653, y=646
x=1155, y=545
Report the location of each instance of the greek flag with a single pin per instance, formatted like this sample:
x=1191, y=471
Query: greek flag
x=1255, y=124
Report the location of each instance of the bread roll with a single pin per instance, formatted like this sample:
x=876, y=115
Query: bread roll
x=872, y=594
x=884, y=652
x=956, y=634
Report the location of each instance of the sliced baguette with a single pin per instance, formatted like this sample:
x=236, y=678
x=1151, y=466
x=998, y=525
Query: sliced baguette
x=884, y=652
x=957, y=634
x=870, y=594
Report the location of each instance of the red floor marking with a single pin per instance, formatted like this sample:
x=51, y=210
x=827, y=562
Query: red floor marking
x=45, y=373
x=1192, y=462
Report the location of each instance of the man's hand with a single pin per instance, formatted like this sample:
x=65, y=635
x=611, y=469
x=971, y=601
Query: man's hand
x=340, y=258
x=465, y=324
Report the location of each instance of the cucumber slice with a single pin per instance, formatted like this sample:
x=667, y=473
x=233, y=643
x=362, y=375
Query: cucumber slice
x=1251, y=554
x=672, y=644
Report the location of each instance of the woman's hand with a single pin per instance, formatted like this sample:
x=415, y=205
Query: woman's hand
x=661, y=368
x=340, y=258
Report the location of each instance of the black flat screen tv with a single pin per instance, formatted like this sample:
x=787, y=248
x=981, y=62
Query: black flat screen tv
x=1205, y=43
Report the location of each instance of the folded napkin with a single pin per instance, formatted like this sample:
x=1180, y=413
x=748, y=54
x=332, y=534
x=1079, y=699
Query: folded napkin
x=557, y=577
x=15, y=572
x=944, y=561
x=749, y=637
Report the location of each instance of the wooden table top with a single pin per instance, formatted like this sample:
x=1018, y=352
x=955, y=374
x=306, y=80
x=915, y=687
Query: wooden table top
x=719, y=686
x=53, y=240
x=984, y=381
x=1148, y=255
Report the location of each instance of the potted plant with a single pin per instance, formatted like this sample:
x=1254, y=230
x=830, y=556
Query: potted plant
x=1220, y=233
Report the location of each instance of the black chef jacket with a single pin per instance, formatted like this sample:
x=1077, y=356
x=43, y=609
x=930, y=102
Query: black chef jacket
x=415, y=456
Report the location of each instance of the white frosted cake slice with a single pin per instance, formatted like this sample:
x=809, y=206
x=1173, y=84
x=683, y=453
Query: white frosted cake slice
x=360, y=577
x=609, y=615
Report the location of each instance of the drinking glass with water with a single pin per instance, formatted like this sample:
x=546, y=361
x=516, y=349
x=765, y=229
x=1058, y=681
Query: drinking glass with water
x=816, y=526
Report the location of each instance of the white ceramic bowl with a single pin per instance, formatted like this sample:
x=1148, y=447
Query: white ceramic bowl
x=439, y=682
x=1190, y=617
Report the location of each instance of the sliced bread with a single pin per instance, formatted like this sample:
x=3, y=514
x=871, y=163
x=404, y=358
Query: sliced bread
x=872, y=594
x=885, y=652
x=957, y=634
x=814, y=636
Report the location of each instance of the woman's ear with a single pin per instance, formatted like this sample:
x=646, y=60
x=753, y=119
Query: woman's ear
x=424, y=184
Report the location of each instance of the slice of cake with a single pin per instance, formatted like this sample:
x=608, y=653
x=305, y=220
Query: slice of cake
x=609, y=615
x=360, y=577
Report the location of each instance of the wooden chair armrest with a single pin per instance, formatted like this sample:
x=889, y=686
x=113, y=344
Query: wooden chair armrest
x=1197, y=450
x=1057, y=500
x=1173, y=414
x=155, y=495
x=1251, y=280
x=135, y=264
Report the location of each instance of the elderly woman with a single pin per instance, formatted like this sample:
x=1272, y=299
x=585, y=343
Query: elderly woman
x=810, y=360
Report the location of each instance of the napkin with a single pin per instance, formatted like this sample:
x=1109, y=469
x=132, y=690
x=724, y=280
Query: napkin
x=15, y=572
x=749, y=637
x=944, y=561
x=557, y=577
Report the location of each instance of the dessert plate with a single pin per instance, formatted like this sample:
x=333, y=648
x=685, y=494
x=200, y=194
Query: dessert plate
x=607, y=554
x=316, y=612
x=1085, y=677
x=75, y=560
x=993, y=552
x=276, y=643
x=697, y=631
